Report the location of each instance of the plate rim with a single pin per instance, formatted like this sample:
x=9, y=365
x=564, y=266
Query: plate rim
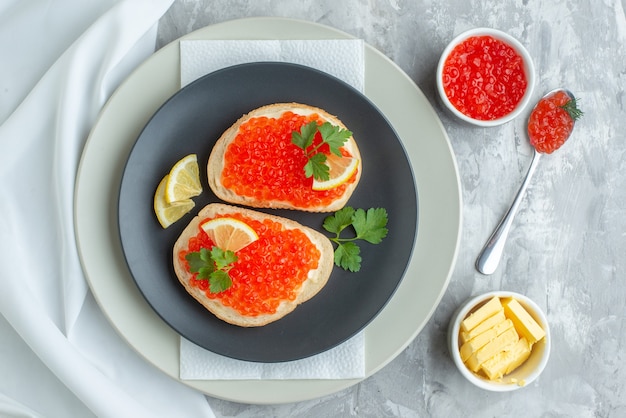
x=151, y=333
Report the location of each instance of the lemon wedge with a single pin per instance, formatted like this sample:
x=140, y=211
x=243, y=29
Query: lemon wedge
x=341, y=170
x=229, y=234
x=168, y=213
x=184, y=180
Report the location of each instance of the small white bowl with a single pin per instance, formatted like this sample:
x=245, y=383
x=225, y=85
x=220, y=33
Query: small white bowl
x=529, y=69
x=527, y=372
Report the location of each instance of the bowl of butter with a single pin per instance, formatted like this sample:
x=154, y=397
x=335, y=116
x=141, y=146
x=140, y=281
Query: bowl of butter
x=499, y=341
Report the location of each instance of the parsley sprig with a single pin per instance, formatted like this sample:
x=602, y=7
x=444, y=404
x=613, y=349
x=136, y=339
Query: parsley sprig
x=368, y=225
x=332, y=135
x=213, y=266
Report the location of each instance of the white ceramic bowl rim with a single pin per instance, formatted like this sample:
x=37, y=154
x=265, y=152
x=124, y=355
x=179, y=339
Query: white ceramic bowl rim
x=453, y=340
x=529, y=68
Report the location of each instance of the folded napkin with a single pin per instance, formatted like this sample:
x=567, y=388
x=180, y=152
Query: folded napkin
x=343, y=59
x=61, y=60
x=346, y=361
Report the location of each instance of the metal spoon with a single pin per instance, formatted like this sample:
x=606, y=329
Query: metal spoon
x=489, y=258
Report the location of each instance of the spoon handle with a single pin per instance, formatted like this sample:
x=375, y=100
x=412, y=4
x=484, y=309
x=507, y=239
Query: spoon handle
x=489, y=257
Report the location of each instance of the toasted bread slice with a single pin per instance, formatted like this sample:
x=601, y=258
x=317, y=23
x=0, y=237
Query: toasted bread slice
x=217, y=161
x=315, y=281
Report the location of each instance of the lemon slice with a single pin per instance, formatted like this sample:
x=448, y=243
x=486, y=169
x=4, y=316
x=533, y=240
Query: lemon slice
x=168, y=213
x=184, y=180
x=229, y=233
x=341, y=170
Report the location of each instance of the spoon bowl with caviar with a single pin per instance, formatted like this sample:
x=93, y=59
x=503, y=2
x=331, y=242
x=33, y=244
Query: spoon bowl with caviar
x=550, y=124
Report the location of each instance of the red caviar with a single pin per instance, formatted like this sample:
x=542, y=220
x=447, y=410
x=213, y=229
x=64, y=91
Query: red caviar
x=268, y=271
x=550, y=124
x=262, y=163
x=484, y=78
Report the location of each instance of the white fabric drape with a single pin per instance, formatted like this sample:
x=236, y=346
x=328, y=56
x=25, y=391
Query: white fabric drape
x=59, y=62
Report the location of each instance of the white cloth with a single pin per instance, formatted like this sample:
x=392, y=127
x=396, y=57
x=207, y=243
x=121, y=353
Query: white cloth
x=344, y=59
x=61, y=60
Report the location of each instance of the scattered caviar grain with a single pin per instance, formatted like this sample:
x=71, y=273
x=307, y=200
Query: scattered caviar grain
x=484, y=78
x=267, y=272
x=262, y=163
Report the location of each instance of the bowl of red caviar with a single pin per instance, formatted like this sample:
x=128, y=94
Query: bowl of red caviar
x=485, y=77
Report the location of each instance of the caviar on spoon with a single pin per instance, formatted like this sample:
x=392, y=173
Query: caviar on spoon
x=550, y=124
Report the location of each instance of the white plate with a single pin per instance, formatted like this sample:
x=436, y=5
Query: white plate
x=98, y=182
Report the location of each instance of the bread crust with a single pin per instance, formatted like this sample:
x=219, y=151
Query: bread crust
x=215, y=163
x=316, y=280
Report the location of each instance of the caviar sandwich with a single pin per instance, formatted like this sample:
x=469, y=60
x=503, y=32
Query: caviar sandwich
x=286, y=156
x=222, y=258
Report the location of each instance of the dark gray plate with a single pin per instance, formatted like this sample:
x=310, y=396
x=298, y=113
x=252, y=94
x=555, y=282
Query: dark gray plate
x=190, y=122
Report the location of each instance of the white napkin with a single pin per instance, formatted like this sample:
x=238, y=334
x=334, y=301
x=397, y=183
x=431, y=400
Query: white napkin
x=343, y=59
x=346, y=361
x=63, y=358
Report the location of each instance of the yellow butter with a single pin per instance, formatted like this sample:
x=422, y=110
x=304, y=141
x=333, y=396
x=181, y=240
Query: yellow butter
x=507, y=360
x=525, y=325
x=485, y=337
x=482, y=313
x=475, y=361
x=482, y=327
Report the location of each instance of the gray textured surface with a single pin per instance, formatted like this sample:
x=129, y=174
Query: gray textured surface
x=568, y=245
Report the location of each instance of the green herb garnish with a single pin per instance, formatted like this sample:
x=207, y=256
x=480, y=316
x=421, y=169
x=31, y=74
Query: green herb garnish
x=213, y=266
x=571, y=107
x=332, y=135
x=368, y=225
